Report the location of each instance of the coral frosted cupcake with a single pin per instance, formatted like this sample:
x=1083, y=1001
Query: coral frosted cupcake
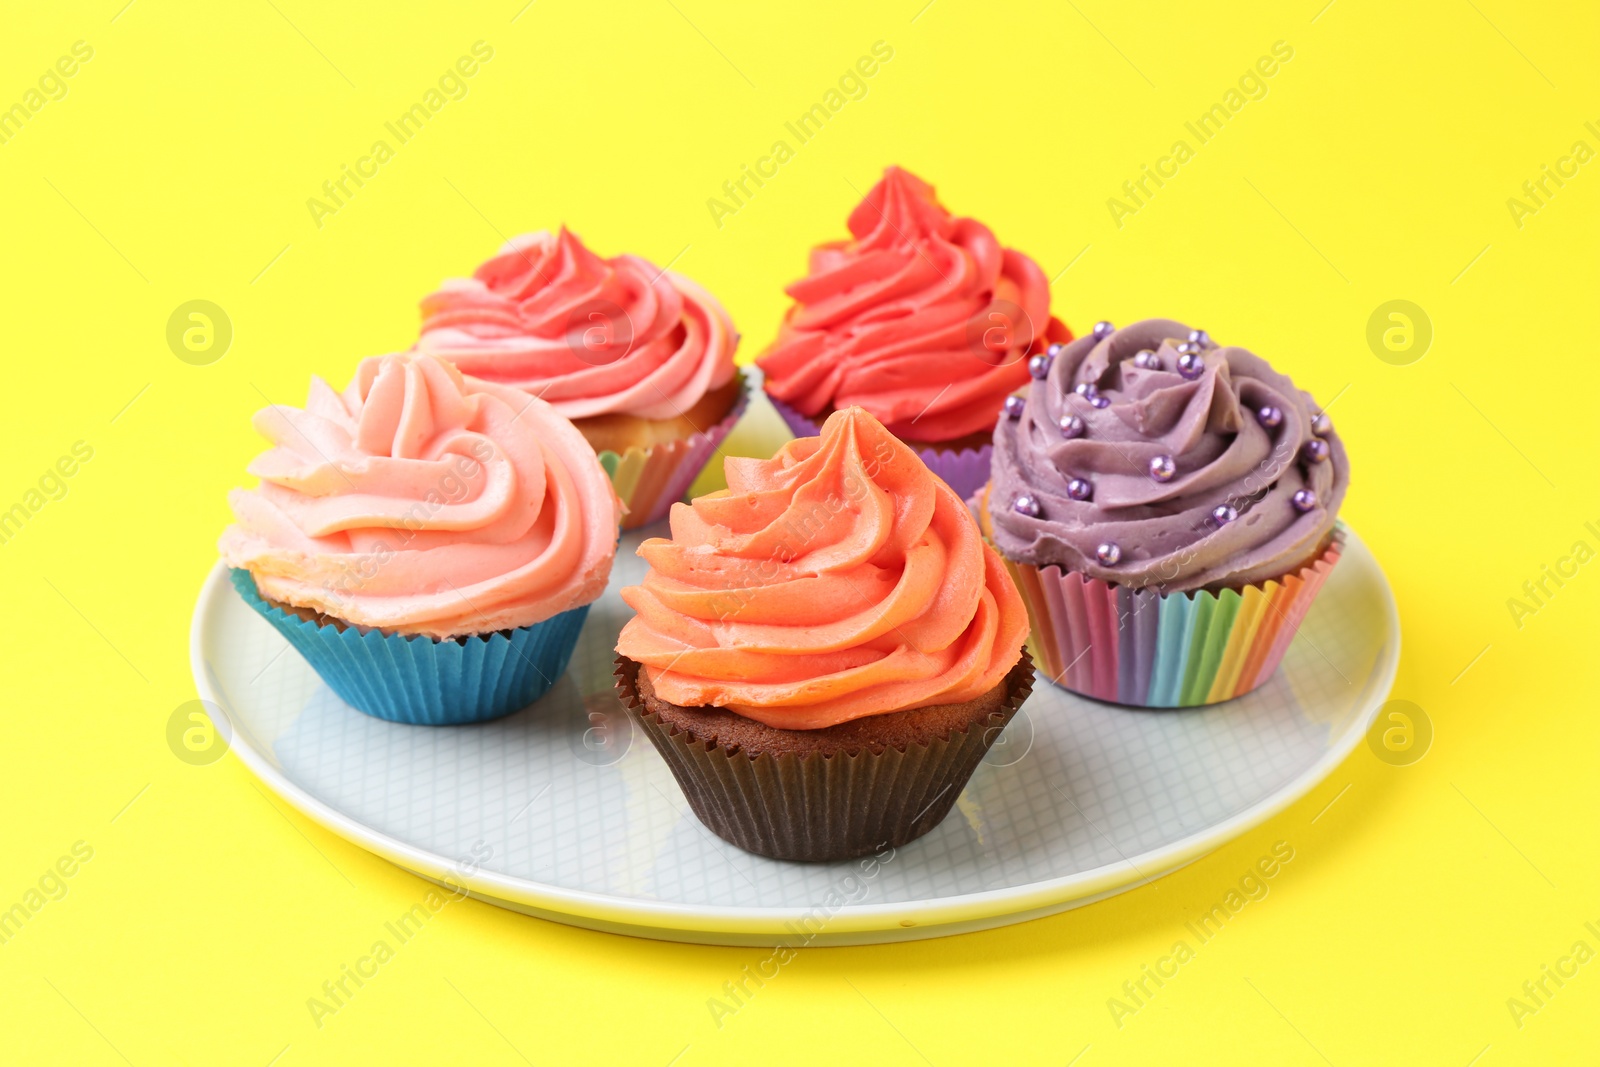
x=923, y=319
x=639, y=358
x=430, y=543
x=824, y=651
x=1169, y=509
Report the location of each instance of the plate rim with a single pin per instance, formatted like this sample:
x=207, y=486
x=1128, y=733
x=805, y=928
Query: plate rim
x=906, y=919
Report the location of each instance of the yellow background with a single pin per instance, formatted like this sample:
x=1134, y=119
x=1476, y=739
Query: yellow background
x=1377, y=167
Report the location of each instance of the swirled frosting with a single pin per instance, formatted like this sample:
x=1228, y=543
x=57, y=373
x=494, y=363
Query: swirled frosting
x=923, y=319
x=592, y=336
x=1240, y=438
x=422, y=502
x=837, y=580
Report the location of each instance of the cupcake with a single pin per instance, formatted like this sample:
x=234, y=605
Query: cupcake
x=430, y=543
x=639, y=358
x=1168, y=507
x=824, y=650
x=921, y=318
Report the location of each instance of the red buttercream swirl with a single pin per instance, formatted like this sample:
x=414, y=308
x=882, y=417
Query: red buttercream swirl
x=923, y=319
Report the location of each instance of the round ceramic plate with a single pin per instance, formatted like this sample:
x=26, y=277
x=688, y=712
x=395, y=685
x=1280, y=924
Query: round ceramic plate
x=565, y=811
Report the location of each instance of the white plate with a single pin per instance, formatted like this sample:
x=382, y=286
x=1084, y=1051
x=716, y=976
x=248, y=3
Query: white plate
x=565, y=811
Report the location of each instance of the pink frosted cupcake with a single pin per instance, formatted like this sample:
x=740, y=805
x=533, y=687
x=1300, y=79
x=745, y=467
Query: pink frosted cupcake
x=429, y=543
x=639, y=358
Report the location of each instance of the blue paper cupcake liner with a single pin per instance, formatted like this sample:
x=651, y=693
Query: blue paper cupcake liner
x=421, y=680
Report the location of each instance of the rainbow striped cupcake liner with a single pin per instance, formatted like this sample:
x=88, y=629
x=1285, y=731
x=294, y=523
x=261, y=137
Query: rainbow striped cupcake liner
x=966, y=470
x=651, y=480
x=1150, y=649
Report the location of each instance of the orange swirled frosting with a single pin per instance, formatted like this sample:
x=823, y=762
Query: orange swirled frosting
x=420, y=501
x=592, y=336
x=923, y=318
x=837, y=580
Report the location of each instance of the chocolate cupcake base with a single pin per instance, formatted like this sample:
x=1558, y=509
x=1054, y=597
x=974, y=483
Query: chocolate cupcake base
x=830, y=794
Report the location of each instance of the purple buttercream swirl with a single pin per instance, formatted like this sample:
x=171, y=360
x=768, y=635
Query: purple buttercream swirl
x=1225, y=451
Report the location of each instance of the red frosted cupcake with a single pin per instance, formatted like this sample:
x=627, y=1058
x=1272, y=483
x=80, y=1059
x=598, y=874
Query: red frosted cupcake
x=639, y=358
x=923, y=319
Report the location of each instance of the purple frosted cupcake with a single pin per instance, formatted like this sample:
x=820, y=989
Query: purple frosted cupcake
x=1168, y=507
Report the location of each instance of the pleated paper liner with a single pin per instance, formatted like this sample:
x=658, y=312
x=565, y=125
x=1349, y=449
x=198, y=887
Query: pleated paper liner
x=651, y=480
x=423, y=680
x=1150, y=649
x=966, y=470
x=816, y=807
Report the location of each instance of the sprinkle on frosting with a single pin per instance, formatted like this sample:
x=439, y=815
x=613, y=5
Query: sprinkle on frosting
x=837, y=580
x=592, y=336
x=922, y=318
x=1204, y=462
x=423, y=502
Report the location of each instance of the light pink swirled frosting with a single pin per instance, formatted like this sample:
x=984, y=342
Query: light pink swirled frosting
x=592, y=336
x=420, y=501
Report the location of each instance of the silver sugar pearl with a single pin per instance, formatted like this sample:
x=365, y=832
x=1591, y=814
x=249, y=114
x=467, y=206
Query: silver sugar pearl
x=1223, y=514
x=1108, y=553
x=1162, y=468
x=1072, y=426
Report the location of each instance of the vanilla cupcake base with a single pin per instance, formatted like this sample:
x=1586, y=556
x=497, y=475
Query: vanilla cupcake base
x=651, y=474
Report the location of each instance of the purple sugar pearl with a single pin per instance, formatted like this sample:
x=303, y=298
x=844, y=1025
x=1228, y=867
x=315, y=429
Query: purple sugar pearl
x=1102, y=330
x=1039, y=366
x=1055, y=350
x=1147, y=360
x=1071, y=426
x=1109, y=553
x=1085, y=389
x=1316, y=450
x=1079, y=489
x=1162, y=468
x=1191, y=366
x=1199, y=337
x=1303, y=500
x=1098, y=401
x=1223, y=514
x=1321, y=425
x=1027, y=505
x=1270, y=417
x=1014, y=407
